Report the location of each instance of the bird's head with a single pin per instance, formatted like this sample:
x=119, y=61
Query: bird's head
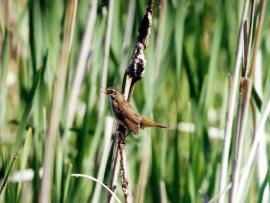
x=112, y=92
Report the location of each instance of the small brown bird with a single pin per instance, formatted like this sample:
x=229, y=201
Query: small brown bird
x=125, y=114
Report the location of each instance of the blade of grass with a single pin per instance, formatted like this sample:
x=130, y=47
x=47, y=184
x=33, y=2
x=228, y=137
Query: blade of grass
x=4, y=70
x=25, y=156
x=96, y=180
x=213, y=66
x=85, y=49
x=263, y=187
x=144, y=167
x=67, y=182
x=58, y=95
x=106, y=150
x=243, y=180
x=244, y=96
x=253, y=150
x=262, y=157
x=57, y=191
x=179, y=38
x=104, y=71
x=231, y=107
x=24, y=120
x=127, y=36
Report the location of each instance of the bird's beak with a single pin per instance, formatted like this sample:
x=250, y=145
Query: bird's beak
x=104, y=90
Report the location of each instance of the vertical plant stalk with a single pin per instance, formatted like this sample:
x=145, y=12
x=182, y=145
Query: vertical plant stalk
x=162, y=186
x=136, y=68
x=58, y=94
x=257, y=40
x=127, y=37
x=114, y=171
x=106, y=150
x=160, y=35
x=244, y=97
x=101, y=104
x=262, y=156
x=145, y=161
x=123, y=168
x=235, y=195
x=179, y=38
x=231, y=107
x=254, y=147
x=265, y=113
x=82, y=63
x=134, y=73
x=4, y=63
x=245, y=172
x=124, y=58
x=3, y=83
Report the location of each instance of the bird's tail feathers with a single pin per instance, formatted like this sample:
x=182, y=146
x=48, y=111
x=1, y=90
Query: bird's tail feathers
x=150, y=123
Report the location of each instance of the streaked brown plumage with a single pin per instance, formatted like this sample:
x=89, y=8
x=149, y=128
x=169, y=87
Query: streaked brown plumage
x=125, y=114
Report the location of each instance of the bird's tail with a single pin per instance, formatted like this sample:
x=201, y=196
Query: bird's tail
x=146, y=122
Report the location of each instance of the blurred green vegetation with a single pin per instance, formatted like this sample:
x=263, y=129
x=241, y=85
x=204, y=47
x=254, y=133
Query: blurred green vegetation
x=190, y=55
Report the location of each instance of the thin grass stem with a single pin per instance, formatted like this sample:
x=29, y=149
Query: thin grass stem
x=106, y=150
x=83, y=58
x=104, y=72
x=96, y=180
x=58, y=95
x=231, y=107
x=127, y=36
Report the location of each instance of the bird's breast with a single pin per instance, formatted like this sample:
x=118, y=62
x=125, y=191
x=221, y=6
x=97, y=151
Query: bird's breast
x=115, y=109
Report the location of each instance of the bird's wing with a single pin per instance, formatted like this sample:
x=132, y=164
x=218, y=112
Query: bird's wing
x=131, y=119
x=133, y=127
